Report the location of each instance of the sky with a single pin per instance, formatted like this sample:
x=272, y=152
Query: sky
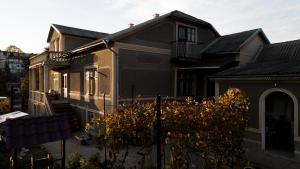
x=26, y=23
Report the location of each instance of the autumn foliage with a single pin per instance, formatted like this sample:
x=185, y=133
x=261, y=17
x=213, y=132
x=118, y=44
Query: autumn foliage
x=212, y=130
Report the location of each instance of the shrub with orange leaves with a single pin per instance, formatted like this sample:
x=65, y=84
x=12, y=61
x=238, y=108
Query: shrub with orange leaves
x=213, y=127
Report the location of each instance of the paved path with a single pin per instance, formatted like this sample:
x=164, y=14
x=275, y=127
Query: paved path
x=72, y=146
x=260, y=159
x=272, y=160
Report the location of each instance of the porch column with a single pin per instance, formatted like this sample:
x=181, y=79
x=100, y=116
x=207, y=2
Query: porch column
x=41, y=79
x=46, y=77
x=30, y=79
x=33, y=81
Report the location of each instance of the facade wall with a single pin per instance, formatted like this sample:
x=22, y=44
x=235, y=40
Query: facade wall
x=249, y=52
x=145, y=74
x=55, y=36
x=159, y=35
x=254, y=90
x=77, y=88
x=164, y=34
x=72, y=42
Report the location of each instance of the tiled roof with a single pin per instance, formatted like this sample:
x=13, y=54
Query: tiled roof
x=231, y=43
x=32, y=131
x=281, y=59
x=286, y=51
x=66, y=30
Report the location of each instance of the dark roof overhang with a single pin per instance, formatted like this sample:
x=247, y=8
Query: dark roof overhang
x=101, y=44
x=258, y=77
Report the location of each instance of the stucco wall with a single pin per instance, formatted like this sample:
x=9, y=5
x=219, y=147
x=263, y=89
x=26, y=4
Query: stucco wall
x=55, y=35
x=163, y=34
x=145, y=74
x=72, y=42
x=249, y=52
x=254, y=90
x=76, y=85
x=159, y=35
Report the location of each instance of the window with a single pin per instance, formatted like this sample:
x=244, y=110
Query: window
x=55, y=81
x=104, y=80
x=186, y=34
x=90, y=80
x=186, y=84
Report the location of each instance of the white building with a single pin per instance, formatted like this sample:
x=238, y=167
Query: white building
x=14, y=60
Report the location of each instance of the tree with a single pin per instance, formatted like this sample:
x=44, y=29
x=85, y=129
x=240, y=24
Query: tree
x=13, y=48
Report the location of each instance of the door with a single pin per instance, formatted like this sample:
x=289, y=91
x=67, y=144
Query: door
x=279, y=128
x=65, y=85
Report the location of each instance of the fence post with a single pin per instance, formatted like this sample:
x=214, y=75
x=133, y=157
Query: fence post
x=63, y=154
x=104, y=114
x=158, y=131
x=11, y=99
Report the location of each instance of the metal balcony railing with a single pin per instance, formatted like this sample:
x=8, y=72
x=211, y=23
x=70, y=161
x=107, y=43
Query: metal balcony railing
x=49, y=56
x=182, y=49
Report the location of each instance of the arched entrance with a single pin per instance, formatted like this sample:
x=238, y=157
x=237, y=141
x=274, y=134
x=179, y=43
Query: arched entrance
x=279, y=121
x=277, y=104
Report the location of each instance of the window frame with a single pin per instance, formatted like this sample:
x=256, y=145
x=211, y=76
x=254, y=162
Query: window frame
x=88, y=91
x=188, y=27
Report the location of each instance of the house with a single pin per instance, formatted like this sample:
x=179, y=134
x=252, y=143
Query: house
x=15, y=61
x=174, y=55
x=271, y=80
x=13, y=66
x=159, y=56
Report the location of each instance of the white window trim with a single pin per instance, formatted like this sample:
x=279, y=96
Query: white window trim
x=86, y=68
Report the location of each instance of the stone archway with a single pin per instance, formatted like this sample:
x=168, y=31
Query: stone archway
x=262, y=113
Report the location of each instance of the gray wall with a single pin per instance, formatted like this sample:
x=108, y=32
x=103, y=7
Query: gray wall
x=254, y=89
x=163, y=34
x=249, y=52
x=147, y=74
x=72, y=42
x=77, y=83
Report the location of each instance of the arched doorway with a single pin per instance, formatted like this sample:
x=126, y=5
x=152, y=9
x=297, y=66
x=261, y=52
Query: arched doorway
x=279, y=122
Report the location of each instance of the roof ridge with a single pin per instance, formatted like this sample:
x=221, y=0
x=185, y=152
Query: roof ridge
x=241, y=32
x=284, y=42
x=78, y=28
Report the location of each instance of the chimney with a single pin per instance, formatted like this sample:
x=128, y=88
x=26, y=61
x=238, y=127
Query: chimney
x=156, y=15
x=131, y=25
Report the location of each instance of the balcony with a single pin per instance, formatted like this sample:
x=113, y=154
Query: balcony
x=187, y=49
x=49, y=57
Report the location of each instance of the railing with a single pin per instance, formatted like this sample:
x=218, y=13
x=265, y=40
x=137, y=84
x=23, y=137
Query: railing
x=49, y=56
x=187, y=49
x=48, y=104
x=57, y=56
x=37, y=96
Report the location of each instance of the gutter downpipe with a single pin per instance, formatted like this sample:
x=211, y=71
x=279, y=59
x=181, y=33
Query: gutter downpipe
x=116, y=54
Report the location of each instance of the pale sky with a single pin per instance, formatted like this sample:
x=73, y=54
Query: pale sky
x=25, y=23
